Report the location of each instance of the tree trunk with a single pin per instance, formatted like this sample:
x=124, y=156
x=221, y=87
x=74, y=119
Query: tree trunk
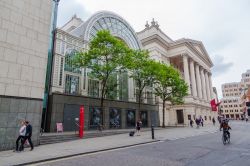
x=139, y=103
x=102, y=98
x=163, y=114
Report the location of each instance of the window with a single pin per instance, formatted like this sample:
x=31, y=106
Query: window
x=123, y=86
x=150, y=97
x=130, y=118
x=69, y=63
x=96, y=115
x=112, y=87
x=114, y=118
x=144, y=118
x=61, y=72
x=93, y=88
x=71, y=84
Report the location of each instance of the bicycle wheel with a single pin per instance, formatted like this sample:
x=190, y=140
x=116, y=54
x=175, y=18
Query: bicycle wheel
x=223, y=139
x=228, y=139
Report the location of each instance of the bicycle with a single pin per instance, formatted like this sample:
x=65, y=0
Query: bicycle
x=225, y=137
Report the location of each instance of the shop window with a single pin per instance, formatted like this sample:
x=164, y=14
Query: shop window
x=114, y=118
x=144, y=118
x=96, y=117
x=130, y=118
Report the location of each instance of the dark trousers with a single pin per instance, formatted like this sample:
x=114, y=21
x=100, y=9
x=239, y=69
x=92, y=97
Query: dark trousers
x=17, y=143
x=29, y=140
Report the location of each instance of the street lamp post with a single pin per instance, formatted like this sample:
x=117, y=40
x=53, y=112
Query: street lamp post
x=49, y=62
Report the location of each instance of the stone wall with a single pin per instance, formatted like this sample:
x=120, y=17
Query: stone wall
x=24, y=41
x=12, y=112
x=58, y=101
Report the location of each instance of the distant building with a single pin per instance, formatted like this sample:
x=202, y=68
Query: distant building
x=234, y=101
x=245, y=92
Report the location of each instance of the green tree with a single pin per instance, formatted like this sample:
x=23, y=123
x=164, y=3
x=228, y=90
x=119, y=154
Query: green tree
x=103, y=58
x=169, y=86
x=141, y=69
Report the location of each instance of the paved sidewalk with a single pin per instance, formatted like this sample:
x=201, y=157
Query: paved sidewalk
x=82, y=146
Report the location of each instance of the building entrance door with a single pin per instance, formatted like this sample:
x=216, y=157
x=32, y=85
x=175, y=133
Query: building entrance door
x=71, y=111
x=180, y=118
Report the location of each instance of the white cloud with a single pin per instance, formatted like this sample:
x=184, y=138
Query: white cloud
x=223, y=26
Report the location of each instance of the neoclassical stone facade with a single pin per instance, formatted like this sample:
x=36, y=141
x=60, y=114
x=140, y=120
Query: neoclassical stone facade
x=186, y=55
x=192, y=60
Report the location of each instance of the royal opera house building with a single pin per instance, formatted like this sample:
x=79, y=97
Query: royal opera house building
x=72, y=87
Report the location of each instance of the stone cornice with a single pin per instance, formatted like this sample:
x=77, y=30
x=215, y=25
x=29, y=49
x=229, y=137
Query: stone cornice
x=155, y=38
x=69, y=35
x=156, y=30
x=194, y=50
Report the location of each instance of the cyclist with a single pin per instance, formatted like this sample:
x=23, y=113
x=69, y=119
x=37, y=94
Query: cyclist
x=225, y=126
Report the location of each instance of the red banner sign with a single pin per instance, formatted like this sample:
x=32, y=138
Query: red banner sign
x=213, y=105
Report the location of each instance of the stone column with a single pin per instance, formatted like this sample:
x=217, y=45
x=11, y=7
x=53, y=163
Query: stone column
x=194, y=88
x=210, y=85
x=131, y=88
x=207, y=87
x=198, y=79
x=186, y=71
x=203, y=84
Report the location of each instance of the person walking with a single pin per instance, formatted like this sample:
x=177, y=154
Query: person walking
x=191, y=122
x=197, y=121
x=28, y=135
x=213, y=121
x=138, y=127
x=201, y=121
x=21, y=137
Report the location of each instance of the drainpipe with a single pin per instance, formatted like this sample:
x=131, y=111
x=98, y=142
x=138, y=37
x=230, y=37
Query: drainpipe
x=49, y=63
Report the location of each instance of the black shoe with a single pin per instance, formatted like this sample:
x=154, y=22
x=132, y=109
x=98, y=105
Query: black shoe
x=31, y=149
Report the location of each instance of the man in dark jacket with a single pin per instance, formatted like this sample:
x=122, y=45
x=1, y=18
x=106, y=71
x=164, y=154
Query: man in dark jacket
x=29, y=134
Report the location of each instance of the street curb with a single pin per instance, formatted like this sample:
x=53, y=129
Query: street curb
x=84, y=153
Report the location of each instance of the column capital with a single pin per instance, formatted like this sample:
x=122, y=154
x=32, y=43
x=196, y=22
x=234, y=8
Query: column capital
x=185, y=55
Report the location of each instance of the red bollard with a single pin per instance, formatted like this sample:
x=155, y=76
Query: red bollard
x=81, y=122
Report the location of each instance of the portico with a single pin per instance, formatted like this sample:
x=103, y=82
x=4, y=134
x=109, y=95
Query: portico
x=193, y=62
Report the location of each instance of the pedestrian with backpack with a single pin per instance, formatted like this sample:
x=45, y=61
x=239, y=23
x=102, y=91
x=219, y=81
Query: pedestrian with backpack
x=28, y=135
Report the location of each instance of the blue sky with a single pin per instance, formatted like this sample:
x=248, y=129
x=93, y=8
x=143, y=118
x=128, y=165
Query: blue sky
x=222, y=25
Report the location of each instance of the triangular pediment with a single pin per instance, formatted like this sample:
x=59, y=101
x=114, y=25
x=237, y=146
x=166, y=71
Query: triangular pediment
x=199, y=47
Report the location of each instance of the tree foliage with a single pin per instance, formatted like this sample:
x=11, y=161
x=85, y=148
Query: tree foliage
x=141, y=70
x=169, y=86
x=103, y=58
x=108, y=56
